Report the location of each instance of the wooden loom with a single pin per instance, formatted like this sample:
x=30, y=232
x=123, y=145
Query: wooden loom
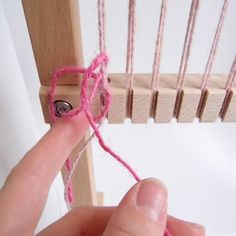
x=56, y=40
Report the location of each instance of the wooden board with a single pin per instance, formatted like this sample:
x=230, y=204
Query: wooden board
x=117, y=111
x=145, y=104
x=141, y=99
x=83, y=180
x=54, y=30
x=229, y=114
x=213, y=99
x=100, y=198
x=189, y=99
x=165, y=100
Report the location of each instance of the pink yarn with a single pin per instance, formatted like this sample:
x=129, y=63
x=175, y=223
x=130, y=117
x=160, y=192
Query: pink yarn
x=101, y=25
x=187, y=43
x=86, y=99
x=68, y=164
x=186, y=51
x=158, y=47
x=214, y=46
x=130, y=46
x=69, y=193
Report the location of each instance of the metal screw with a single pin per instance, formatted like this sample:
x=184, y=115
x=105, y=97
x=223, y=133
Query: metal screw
x=61, y=107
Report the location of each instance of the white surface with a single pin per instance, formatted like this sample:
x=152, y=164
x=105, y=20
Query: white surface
x=196, y=161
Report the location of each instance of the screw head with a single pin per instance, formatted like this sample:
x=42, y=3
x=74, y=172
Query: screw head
x=61, y=107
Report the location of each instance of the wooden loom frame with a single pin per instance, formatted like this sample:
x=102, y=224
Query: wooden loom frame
x=56, y=40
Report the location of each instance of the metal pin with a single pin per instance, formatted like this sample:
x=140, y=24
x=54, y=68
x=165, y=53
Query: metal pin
x=61, y=107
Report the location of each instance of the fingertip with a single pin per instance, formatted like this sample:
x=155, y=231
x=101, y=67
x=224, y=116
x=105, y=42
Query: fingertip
x=143, y=210
x=152, y=199
x=156, y=182
x=67, y=127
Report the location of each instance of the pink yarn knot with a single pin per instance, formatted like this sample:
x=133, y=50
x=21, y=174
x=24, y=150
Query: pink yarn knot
x=88, y=91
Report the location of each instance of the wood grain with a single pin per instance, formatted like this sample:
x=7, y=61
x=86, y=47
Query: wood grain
x=54, y=28
x=166, y=97
x=229, y=114
x=55, y=36
x=141, y=100
x=117, y=112
x=144, y=105
x=213, y=99
x=189, y=99
x=83, y=179
x=100, y=198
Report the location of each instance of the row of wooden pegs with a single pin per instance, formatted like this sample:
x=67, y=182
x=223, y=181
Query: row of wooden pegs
x=142, y=103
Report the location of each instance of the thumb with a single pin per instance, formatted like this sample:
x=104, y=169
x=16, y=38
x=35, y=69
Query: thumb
x=141, y=212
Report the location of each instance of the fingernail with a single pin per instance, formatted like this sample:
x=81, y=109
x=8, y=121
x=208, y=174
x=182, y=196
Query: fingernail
x=151, y=199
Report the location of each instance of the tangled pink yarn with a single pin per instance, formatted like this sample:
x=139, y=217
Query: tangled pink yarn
x=95, y=73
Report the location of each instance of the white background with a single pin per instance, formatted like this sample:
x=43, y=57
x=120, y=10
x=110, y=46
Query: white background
x=195, y=161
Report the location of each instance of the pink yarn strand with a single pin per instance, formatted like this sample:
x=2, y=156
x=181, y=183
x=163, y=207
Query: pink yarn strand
x=68, y=186
x=68, y=164
x=187, y=43
x=214, y=46
x=158, y=47
x=130, y=45
x=232, y=75
x=97, y=85
x=101, y=25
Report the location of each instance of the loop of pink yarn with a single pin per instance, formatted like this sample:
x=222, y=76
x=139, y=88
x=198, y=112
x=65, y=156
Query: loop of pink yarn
x=68, y=164
x=87, y=94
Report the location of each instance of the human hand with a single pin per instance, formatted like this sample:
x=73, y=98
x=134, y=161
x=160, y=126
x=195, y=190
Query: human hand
x=22, y=198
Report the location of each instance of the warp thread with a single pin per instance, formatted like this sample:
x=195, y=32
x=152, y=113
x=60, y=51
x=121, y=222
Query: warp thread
x=158, y=47
x=187, y=43
x=130, y=45
x=214, y=46
x=186, y=52
x=103, y=71
x=211, y=58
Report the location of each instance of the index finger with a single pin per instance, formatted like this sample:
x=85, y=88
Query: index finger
x=47, y=157
x=24, y=194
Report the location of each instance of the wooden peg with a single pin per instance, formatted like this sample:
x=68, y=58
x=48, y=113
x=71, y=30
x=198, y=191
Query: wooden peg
x=55, y=36
x=213, y=99
x=117, y=111
x=166, y=97
x=229, y=113
x=189, y=99
x=141, y=101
